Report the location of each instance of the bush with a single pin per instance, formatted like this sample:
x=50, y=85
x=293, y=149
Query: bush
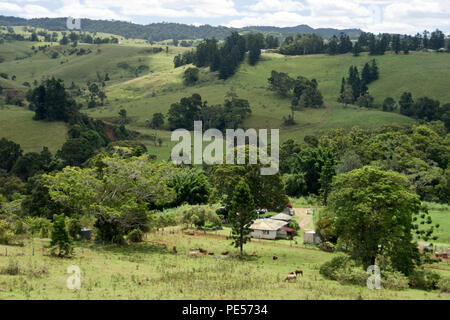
x=61, y=241
x=136, y=236
x=394, y=280
x=355, y=275
x=6, y=232
x=13, y=268
x=444, y=285
x=201, y=216
x=74, y=227
x=330, y=268
x=424, y=279
x=38, y=225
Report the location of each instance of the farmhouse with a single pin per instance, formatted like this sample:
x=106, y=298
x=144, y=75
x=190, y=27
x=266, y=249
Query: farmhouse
x=273, y=228
x=268, y=229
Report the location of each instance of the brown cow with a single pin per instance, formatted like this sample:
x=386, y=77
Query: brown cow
x=211, y=253
x=202, y=251
x=299, y=272
x=174, y=249
x=291, y=277
x=275, y=258
x=225, y=253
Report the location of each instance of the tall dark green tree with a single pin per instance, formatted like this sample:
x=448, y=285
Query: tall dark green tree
x=52, y=102
x=9, y=153
x=242, y=214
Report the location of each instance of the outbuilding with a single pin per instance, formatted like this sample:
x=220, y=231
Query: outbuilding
x=311, y=237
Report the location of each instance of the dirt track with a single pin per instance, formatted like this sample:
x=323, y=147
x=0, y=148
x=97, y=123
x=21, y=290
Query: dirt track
x=305, y=219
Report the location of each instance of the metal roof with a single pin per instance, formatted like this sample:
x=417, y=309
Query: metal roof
x=268, y=225
x=282, y=216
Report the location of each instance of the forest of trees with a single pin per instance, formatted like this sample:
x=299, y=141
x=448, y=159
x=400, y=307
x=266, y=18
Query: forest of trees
x=230, y=115
x=225, y=57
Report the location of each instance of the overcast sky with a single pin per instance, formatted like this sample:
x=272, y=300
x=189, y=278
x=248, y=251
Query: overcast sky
x=402, y=16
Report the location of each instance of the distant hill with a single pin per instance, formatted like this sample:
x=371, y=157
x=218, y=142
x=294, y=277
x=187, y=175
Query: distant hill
x=165, y=31
x=324, y=32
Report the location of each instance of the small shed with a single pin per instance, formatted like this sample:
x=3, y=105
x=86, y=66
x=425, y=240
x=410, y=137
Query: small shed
x=311, y=237
x=289, y=211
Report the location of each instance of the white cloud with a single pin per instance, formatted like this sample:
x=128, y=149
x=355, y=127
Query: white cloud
x=277, y=5
x=405, y=16
x=9, y=7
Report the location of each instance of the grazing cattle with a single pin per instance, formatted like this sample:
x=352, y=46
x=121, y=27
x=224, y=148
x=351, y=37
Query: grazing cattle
x=193, y=254
x=291, y=277
x=291, y=272
x=202, y=251
x=211, y=253
x=175, y=249
x=225, y=253
x=299, y=272
x=275, y=258
x=254, y=254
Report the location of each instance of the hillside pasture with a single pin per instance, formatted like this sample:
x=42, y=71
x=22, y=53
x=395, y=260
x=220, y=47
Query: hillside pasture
x=149, y=271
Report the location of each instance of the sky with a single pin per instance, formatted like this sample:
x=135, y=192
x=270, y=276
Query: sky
x=395, y=16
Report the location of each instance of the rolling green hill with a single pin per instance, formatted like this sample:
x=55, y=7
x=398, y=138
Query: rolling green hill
x=156, y=88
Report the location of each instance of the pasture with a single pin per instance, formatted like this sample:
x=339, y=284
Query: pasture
x=159, y=84
x=149, y=271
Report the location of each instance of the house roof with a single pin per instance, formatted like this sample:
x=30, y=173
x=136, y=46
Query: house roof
x=282, y=216
x=268, y=225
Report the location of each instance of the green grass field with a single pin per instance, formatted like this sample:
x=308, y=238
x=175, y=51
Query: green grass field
x=148, y=271
x=17, y=124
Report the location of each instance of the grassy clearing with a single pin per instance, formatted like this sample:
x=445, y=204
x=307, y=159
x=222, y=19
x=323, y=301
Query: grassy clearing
x=17, y=124
x=148, y=271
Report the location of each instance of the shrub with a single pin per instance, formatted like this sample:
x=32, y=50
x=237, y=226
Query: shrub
x=6, y=232
x=136, y=235
x=200, y=216
x=61, y=241
x=394, y=280
x=12, y=268
x=355, y=275
x=330, y=268
x=74, y=227
x=444, y=285
x=424, y=279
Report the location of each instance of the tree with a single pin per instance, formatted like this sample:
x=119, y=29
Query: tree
x=267, y=190
x=123, y=116
x=242, y=214
x=157, y=120
x=61, y=240
x=396, y=44
x=191, y=186
x=281, y=83
x=9, y=153
x=121, y=204
x=191, y=76
x=76, y=151
x=406, y=104
x=373, y=213
x=389, y=104
x=365, y=100
x=347, y=96
x=52, y=102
